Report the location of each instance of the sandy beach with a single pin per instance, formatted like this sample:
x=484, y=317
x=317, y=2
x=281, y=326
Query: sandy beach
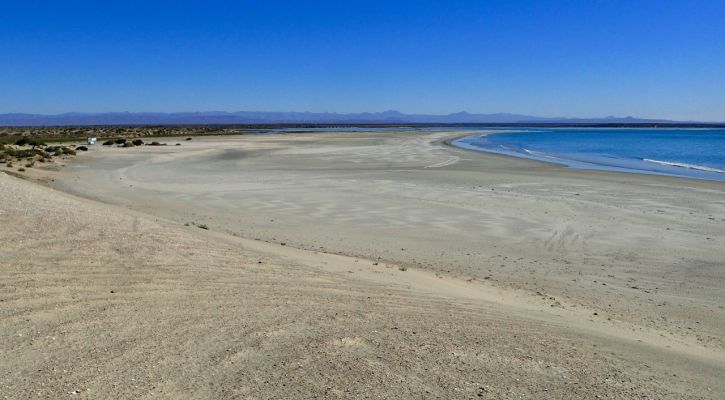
x=356, y=265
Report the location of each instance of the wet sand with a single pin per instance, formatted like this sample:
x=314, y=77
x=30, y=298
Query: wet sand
x=440, y=272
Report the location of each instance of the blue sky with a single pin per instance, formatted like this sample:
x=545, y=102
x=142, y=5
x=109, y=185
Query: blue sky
x=660, y=59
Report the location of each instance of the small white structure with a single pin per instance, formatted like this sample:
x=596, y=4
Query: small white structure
x=92, y=140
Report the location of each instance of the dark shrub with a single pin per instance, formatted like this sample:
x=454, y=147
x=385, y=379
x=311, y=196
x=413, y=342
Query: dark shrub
x=24, y=153
x=108, y=142
x=41, y=153
x=21, y=142
x=82, y=148
x=155, y=144
x=128, y=144
x=188, y=138
x=138, y=142
x=69, y=151
x=120, y=141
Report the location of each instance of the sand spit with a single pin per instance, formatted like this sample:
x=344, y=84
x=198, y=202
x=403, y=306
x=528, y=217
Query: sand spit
x=118, y=298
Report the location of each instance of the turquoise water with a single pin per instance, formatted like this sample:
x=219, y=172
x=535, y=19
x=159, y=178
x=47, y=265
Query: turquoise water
x=692, y=153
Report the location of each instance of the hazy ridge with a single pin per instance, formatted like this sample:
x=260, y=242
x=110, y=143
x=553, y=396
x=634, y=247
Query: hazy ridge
x=262, y=117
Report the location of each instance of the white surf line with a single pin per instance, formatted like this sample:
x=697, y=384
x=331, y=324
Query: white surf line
x=450, y=161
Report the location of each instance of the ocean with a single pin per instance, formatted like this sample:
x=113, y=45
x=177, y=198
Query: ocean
x=692, y=153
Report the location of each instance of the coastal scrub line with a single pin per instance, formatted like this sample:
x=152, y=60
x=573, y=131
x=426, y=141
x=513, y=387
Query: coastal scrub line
x=37, y=152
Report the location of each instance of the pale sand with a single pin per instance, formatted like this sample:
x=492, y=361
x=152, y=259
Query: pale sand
x=507, y=262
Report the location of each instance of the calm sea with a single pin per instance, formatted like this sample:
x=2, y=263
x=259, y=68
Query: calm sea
x=693, y=153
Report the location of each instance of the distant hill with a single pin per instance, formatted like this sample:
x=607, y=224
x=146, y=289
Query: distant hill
x=261, y=117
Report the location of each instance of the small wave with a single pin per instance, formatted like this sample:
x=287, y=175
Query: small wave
x=540, y=154
x=684, y=165
x=534, y=153
x=510, y=148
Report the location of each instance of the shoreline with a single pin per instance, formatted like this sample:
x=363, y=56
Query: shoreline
x=274, y=204
x=371, y=213
x=696, y=172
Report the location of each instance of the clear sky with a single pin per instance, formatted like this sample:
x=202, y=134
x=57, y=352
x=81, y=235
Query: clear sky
x=659, y=59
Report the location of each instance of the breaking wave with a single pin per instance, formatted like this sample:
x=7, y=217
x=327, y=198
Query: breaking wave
x=685, y=165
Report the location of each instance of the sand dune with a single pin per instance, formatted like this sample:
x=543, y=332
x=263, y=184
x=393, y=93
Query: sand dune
x=455, y=275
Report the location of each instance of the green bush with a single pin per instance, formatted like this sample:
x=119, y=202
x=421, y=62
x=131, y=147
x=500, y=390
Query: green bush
x=128, y=144
x=21, y=142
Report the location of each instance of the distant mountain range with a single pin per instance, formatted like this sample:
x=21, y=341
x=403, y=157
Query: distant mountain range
x=260, y=117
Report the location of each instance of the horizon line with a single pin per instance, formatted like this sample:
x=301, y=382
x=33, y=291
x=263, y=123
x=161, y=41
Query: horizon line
x=388, y=111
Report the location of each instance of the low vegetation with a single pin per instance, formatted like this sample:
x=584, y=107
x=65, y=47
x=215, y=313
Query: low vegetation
x=28, y=152
x=26, y=146
x=109, y=134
